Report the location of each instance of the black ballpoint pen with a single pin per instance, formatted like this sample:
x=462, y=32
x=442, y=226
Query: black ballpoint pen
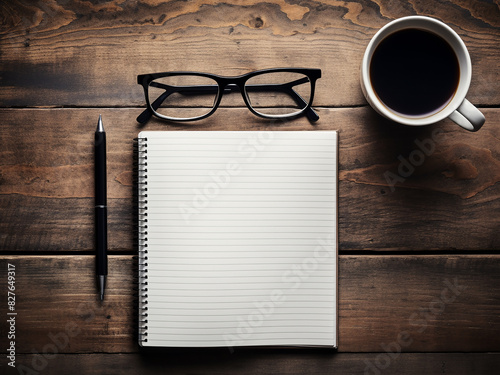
x=101, y=209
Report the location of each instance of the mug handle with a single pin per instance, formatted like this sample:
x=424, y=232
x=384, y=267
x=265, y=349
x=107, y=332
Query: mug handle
x=468, y=116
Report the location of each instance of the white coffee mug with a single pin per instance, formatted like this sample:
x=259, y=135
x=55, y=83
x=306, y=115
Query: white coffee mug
x=458, y=109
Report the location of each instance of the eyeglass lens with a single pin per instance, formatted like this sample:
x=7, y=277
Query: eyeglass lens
x=278, y=93
x=183, y=96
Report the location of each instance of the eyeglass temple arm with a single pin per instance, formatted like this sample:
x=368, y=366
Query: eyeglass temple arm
x=147, y=113
x=189, y=90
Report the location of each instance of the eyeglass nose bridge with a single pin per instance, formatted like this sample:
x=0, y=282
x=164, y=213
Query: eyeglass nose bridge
x=228, y=86
x=231, y=87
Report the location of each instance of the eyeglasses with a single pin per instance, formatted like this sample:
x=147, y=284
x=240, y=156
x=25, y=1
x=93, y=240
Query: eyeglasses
x=271, y=93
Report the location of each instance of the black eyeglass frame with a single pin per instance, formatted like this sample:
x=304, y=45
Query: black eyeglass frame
x=225, y=83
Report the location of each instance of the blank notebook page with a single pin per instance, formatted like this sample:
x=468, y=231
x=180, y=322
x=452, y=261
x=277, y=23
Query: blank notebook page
x=238, y=242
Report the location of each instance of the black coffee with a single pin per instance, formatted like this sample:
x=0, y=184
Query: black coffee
x=414, y=72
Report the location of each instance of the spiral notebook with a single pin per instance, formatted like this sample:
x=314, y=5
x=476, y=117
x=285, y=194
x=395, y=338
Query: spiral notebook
x=238, y=238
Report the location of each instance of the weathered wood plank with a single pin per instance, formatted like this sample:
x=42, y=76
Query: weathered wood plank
x=264, y=362
x=46, y=178
x=57, y=53
x=386, y=303
x=56, y=298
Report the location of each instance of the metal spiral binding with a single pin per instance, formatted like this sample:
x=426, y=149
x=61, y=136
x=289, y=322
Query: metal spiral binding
x=142, y=215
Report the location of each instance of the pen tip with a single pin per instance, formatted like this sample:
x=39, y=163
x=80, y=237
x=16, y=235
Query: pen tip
x=100, y=127
x=102, y=285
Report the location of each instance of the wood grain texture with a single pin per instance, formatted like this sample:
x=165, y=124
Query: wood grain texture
x=81, y=53
x=71, y=53
x=407, y=303
x=46, y=178
x=276, y=361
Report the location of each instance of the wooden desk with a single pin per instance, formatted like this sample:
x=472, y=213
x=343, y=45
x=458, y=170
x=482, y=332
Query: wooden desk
x=419, y=264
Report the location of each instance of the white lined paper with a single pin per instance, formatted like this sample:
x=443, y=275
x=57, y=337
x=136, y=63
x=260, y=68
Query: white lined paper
x=241, y=238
